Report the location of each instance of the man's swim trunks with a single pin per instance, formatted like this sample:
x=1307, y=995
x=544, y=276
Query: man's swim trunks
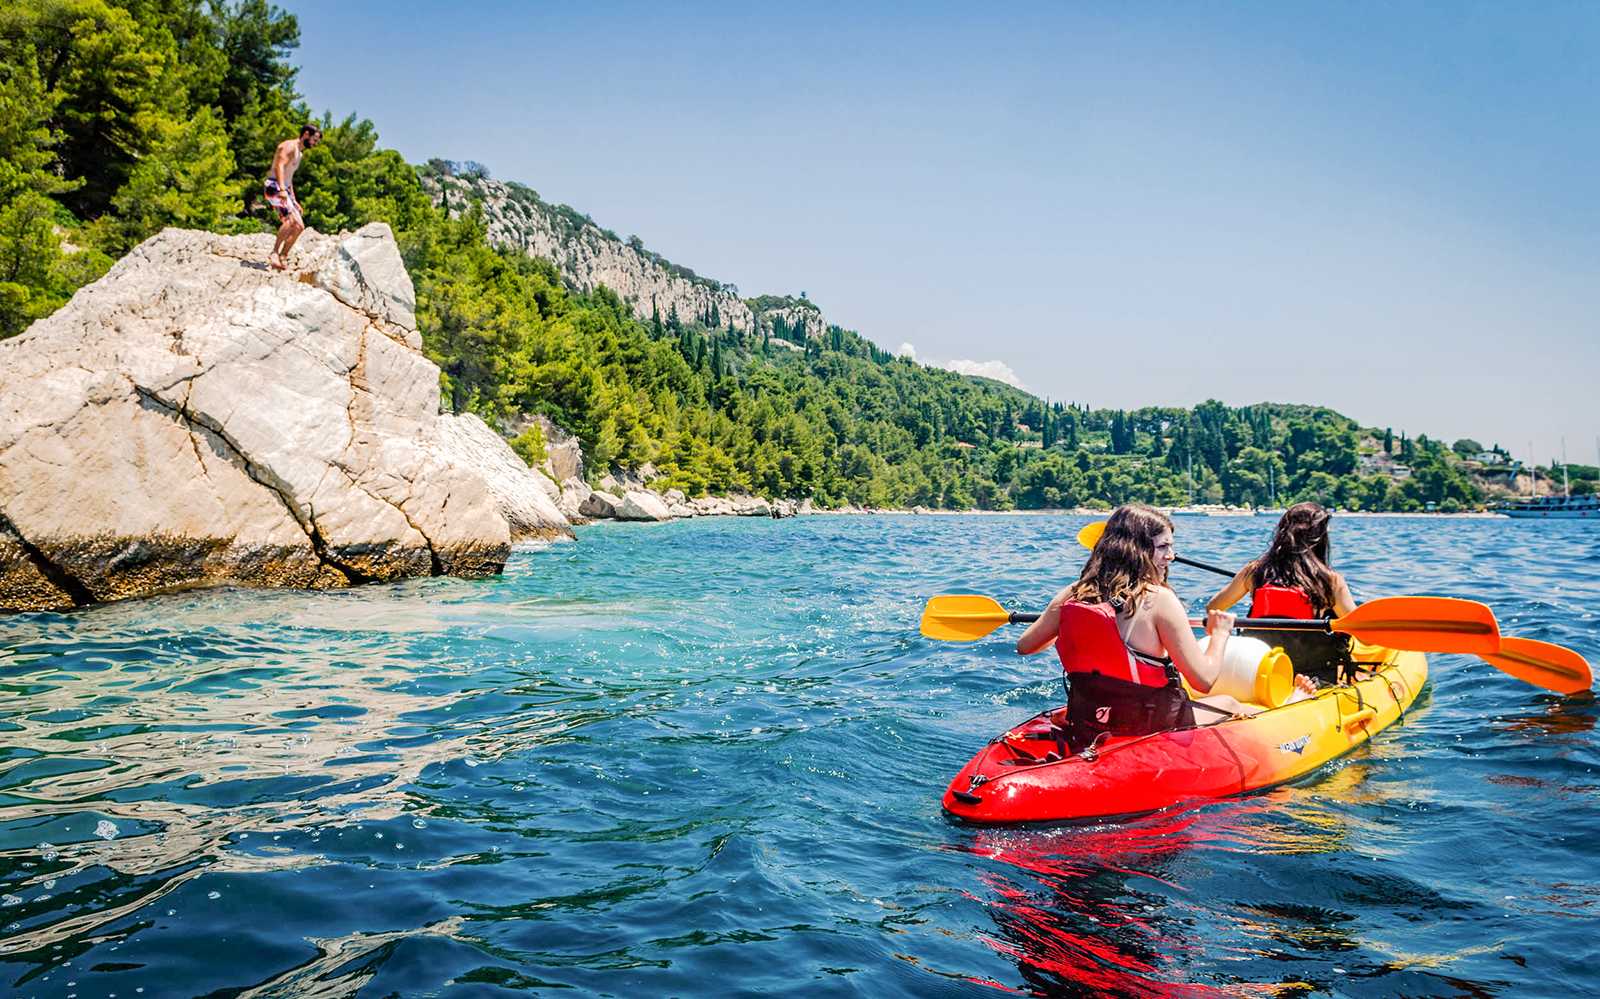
x=281, y=198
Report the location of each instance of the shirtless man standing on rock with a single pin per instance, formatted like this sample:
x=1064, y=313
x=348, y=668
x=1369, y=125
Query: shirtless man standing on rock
x=279, y=188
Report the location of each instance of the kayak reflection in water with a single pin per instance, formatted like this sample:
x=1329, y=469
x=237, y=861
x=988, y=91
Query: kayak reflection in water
x=1124, y=637
x=1292, y=579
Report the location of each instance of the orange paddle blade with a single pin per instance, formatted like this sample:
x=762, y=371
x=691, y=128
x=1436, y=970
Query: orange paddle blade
x=1424, y=624
x=1090, y=534
x=1542, y=664
x=962, y=617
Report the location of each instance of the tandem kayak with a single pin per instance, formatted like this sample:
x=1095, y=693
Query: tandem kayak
x=1030, y=774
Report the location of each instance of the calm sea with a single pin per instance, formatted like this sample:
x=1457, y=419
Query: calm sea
x=706, y=758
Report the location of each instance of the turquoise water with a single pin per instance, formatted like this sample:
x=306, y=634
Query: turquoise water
x=706, y=758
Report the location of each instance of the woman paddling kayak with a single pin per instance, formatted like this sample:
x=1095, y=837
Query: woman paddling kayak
x=1293, y=578
x=1124, y=637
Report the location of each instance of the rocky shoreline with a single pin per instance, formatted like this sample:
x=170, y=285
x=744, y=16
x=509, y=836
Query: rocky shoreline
x=195, y=418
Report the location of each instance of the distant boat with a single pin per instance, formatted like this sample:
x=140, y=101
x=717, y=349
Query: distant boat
x=1186, y=511
x=1270, y=511
x=1551, y=507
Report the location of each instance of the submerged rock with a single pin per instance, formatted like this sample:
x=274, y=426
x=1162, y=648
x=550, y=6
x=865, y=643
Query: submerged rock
x=195, y=418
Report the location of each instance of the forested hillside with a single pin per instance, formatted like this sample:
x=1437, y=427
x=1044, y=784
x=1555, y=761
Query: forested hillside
x=117, y=120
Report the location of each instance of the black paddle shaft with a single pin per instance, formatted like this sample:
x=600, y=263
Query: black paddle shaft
x=1201, y=565
x=1242, y=624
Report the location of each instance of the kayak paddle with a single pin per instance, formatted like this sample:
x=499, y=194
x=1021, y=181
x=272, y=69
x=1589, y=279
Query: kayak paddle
x=1416, y=624
x=1543, y=665
x=962, y=617
x=1091, y=534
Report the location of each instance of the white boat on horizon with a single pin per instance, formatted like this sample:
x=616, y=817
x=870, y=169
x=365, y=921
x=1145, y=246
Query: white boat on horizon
x=1583, y=507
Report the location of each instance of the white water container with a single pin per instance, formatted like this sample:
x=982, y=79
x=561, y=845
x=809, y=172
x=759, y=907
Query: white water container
x=1253, y=671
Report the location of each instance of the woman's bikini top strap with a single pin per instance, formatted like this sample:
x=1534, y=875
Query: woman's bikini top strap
x=1145, y=657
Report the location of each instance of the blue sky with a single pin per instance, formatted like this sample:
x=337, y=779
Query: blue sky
x=1386, y=208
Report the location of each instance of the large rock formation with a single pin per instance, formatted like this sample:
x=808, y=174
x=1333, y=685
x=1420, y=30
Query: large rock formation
x=590, y=256
x=195, y=418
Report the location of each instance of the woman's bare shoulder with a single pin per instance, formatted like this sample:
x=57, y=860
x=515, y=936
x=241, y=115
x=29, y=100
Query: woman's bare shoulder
x=1162, y=600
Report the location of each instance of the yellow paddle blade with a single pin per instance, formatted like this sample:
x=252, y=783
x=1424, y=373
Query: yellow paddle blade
x=1424, y=624
x=1542, y=664
x=962, y=617
x=1090, y=534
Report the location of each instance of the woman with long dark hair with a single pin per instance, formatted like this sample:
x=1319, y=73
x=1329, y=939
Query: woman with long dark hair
x=1293, y=578
x=1124, y=636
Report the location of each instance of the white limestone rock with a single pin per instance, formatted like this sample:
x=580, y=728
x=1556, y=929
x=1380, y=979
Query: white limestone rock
x=712, y=506
x=194, y=418
x=563, y=452
x=547, y=485
x=573, y=493
x=636, y=505
x=753, y=506
x=598, y=506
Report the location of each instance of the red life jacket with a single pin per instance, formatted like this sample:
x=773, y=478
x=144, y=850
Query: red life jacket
x=1088, y=642
x=1281, y=601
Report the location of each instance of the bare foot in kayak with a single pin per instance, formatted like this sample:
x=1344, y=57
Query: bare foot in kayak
x=1304, y=687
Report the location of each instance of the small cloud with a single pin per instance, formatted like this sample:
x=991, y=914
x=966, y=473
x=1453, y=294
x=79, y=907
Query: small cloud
x=998, y=370
x=906, y=350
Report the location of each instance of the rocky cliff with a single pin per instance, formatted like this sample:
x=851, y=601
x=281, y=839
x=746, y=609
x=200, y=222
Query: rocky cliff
x=589, y=256
x=194, y=418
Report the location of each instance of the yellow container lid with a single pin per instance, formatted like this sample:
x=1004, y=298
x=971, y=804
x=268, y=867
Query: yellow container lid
x=1274, y=678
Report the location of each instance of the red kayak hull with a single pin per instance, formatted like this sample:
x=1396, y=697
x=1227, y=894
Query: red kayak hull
x=1027, y=775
